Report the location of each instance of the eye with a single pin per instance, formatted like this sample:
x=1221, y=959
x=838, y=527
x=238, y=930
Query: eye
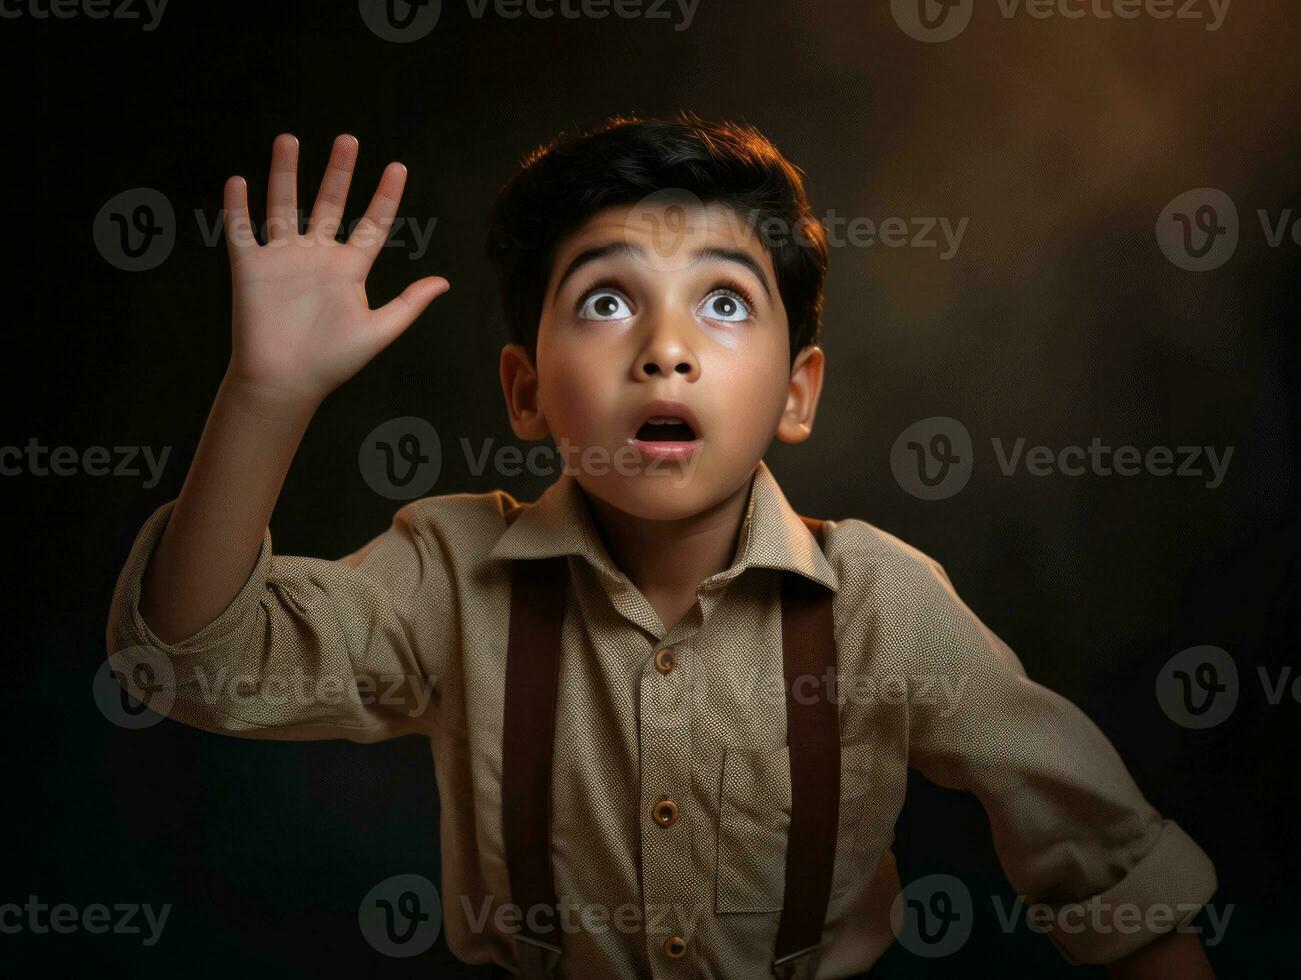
x=727, y=305
x=604, y=304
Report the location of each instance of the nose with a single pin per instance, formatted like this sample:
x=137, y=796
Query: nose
x=667, y=350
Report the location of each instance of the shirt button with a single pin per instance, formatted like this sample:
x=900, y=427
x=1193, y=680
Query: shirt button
x=665, y=812
x=665, y=661
x=676, y=947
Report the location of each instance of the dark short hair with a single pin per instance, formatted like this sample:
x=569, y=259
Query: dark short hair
x=625, y=159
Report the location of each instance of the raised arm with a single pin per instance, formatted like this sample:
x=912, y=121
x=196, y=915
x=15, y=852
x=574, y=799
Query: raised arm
x=301, y=326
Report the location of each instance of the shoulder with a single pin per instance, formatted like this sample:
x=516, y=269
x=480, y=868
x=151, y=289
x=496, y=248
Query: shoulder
x=460, y=523
x=891, y=588
x=430, y=536
x=874, y=565
x=898, y=593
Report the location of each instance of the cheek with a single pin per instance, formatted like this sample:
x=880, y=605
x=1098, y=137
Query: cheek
x=569, y=389
x=755, y=382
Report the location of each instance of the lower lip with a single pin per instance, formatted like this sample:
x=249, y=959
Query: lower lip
x=676, y=450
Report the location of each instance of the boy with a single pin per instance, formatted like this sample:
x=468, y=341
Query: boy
x=653, y=695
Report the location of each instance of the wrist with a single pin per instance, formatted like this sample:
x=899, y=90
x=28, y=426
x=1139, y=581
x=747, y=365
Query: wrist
x=269, y=403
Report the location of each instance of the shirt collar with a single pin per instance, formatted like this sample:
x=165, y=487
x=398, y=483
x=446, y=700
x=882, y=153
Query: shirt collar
x=772, y=535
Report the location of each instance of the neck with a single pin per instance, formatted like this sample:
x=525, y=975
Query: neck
x=672, y=557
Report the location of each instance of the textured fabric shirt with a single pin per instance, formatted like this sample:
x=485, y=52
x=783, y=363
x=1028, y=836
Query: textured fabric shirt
x=409, y=635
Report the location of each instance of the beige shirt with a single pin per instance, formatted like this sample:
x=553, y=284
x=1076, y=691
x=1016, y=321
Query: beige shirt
x=408, y=635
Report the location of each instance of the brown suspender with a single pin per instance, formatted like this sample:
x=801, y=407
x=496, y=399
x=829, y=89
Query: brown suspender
x=813, y=734
x=528, y=736
x=537, y=607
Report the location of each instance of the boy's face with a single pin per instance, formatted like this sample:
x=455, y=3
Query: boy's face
x=668, y=302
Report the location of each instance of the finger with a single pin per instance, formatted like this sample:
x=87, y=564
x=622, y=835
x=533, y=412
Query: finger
x=393, y=318
x=373, y=229
x=234, y=210
x=327, y=212
x=282, y=189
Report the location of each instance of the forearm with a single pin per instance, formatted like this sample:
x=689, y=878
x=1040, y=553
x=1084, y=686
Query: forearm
x=216, y=528
x=1176, y=955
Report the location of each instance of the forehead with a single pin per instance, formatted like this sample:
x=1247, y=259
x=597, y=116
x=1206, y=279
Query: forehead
x=666, y=231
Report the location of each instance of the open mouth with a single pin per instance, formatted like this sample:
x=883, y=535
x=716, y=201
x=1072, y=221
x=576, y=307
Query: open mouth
x=666, y=428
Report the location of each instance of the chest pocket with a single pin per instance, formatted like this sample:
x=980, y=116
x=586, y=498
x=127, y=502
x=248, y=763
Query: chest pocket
x=754, y=819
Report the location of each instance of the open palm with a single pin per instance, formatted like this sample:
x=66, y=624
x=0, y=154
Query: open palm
x=302, y=324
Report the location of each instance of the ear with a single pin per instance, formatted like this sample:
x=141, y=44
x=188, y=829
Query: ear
x=805, y=388
x=519, y=383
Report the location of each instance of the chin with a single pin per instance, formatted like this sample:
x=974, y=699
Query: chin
x=670, y=492
x=669, y=495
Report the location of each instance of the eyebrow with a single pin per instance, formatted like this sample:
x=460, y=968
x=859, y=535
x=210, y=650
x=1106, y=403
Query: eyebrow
x=621, y=248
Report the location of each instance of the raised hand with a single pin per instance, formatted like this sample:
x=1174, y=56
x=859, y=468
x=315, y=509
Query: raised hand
x=302, y=325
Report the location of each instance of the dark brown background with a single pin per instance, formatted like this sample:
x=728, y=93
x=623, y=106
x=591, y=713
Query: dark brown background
x=1058, y=320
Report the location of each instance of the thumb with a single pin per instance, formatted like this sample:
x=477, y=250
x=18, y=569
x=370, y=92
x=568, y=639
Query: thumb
x=393, y=318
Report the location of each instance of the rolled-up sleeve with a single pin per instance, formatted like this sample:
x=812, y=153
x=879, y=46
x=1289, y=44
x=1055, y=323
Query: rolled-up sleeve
x=1072, y=830
x=308, y=649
